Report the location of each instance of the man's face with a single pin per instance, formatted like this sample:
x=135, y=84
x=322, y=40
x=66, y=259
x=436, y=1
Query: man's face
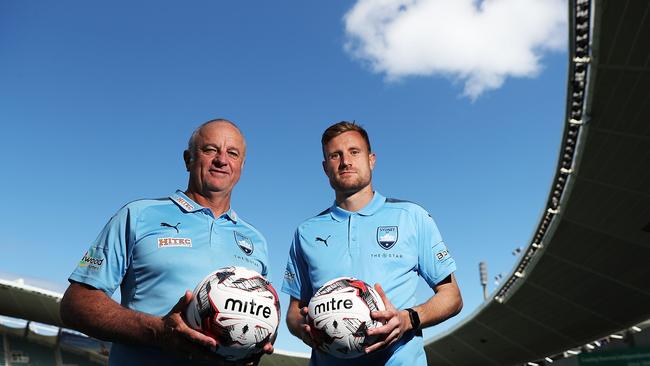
x=216, y=163
x=348, y=163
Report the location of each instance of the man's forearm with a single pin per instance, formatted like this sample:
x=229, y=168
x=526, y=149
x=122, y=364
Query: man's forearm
x=446, y=303
x=438, y=309
x=92, y=312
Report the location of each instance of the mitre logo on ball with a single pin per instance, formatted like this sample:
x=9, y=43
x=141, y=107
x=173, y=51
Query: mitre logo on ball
x=339, y=317
x=237, y=307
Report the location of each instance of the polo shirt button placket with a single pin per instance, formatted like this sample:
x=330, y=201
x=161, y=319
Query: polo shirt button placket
x=354, y=239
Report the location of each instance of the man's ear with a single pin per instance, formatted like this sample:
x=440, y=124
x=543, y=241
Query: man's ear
x=187, y=157
x=325, y=167
x=373, y=159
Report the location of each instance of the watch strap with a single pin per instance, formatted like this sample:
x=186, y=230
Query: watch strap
x=415, y=318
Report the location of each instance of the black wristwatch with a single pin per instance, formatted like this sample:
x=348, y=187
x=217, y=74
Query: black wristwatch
x=415, y=318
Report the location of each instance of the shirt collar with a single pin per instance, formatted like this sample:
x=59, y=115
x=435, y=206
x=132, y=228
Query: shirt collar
x=188, y=205
x=373, y=206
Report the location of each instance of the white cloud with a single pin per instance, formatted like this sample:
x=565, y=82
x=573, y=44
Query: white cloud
x=480, y=43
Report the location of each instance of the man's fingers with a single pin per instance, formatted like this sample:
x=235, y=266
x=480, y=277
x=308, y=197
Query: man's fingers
x=182, y=303
x=182, y=330
x=200, y=338
x=268, y=348
x=374, y=347
x=384, y=298
x=382, y=330
x=306, y=335
x=382, y=316
x=390, y=339
x=304, y=311
x=196, y=352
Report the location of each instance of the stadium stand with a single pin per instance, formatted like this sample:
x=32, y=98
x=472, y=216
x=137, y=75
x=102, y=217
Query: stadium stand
x=584, y=276
x=25, y=343
x=21, y=343
x=23, y=352
x=2, y=350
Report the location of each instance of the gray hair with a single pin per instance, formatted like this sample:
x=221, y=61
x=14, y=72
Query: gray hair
x=191, y=143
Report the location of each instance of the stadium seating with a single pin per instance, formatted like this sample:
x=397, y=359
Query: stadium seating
x=2, y=351
x=23, y=352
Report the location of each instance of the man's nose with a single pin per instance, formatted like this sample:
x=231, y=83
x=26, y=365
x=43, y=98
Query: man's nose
x=344, y=160
x=220, y=158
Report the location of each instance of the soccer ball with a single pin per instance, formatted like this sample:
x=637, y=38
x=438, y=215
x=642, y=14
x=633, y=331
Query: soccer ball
x=339, y=316
x=237, y=307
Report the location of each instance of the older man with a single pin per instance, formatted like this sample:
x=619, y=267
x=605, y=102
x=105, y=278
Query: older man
x=155, y=250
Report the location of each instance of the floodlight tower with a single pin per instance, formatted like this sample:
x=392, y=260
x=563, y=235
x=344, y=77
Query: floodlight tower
x=482, y=268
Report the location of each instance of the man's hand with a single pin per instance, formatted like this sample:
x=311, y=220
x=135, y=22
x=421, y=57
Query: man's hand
x=297, y=322
x=190, y=344
x=396, y=323
x=255, y=359
x=306, y=329
x=178, y=337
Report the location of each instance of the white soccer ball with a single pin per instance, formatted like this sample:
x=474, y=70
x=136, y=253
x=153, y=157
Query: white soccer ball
x=339, y=316
x=238, y=307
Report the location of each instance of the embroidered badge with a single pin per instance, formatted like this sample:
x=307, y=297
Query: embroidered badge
x=387, y=236
x=244, y=243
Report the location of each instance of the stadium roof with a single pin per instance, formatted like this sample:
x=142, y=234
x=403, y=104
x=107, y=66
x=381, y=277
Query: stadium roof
x=586, y=271
x=28, y=302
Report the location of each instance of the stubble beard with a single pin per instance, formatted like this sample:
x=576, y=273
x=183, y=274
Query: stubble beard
x=350, y=187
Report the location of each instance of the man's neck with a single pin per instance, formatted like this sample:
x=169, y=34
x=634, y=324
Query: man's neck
x=218, y=202
x=354, y=202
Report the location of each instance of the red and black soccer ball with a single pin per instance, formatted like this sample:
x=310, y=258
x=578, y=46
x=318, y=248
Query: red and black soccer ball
x=237, y=307
x=339, y=316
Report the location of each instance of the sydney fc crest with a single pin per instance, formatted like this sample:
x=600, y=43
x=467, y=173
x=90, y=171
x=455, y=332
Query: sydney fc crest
x=387, y=236
x=244, y=243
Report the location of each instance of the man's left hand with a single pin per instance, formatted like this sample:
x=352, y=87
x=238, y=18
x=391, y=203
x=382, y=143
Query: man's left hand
x=396, y=323
x=266, y=350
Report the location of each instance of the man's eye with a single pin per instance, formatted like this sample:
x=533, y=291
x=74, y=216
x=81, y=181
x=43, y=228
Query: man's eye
x=333, y=156
x=234, y=154
x=354, y=152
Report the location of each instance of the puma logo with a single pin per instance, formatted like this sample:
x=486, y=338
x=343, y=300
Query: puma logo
x=164, y=224
x=323, y=240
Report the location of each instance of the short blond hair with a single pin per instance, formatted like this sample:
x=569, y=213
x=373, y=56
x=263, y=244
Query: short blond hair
x=342, y=127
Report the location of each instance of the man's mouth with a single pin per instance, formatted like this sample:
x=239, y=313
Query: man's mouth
x=216, y=171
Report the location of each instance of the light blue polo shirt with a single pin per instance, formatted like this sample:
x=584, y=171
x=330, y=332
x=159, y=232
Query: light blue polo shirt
x=155, y=249
x=390, y=242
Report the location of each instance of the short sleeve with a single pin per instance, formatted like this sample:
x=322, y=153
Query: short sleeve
x=435, y=262
x=296, y=280
x=105, y=263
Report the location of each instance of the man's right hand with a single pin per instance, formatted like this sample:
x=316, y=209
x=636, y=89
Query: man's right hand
x=306, y=330
x=176, y=336
x=297, y=322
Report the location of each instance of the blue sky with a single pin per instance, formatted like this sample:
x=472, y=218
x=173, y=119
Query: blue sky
x=97, y=101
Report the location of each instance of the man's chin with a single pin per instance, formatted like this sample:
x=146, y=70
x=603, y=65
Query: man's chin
x=347, y=188
x=212, y=188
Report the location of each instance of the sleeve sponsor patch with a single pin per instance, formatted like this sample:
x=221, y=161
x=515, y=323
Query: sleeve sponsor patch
x=441, y=255
x=289, y=276
x=93, y=259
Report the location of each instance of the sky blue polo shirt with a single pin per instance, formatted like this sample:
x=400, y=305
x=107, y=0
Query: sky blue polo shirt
x=390, y=242
x=155, y=249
